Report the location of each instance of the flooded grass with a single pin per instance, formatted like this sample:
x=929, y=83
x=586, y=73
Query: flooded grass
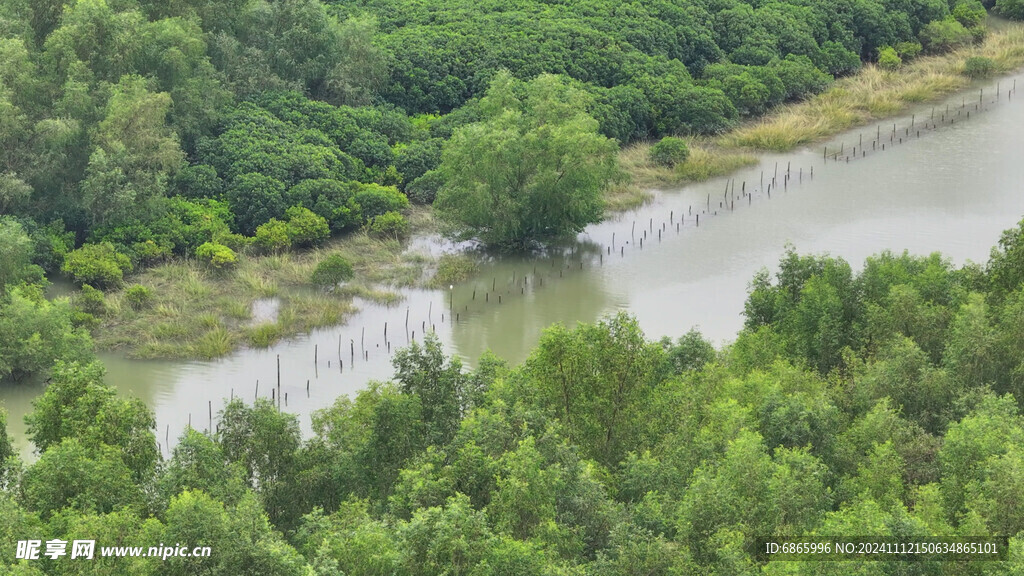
x=196, y=312
x=452, y=269
x=626, y=196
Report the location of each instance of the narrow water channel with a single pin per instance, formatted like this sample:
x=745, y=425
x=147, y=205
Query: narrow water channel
x=952, y=190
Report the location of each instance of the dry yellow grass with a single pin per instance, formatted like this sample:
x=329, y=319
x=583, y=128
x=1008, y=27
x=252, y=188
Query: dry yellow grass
x=869, y=95
x=706, y=161
x=873, y=94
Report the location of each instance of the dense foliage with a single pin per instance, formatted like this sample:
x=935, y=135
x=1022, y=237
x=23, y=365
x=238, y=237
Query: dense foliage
x=132, y=131
x=160, y=126
x=884, y=402
x=533, y=169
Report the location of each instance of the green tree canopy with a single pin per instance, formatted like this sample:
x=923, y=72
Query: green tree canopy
x=532, y=170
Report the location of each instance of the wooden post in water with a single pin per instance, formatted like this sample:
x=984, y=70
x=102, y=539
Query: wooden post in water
x=316, y=352
x=278, y=374
x=257, y=395
x=209, y=406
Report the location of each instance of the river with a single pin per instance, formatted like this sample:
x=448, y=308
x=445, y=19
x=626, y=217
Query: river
x=954, y=189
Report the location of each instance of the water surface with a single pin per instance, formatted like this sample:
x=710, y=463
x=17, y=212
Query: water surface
x=953, y=190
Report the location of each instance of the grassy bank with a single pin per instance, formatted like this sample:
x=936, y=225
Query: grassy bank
x=196, y=312
x=706, y=160
x=871, y=94
x=875, y=93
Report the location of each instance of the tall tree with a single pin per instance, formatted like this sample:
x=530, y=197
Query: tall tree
x=136, y=154
x=532, y=170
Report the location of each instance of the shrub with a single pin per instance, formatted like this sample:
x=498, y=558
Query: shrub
x=388, y=225
x=306, y=228
x=970, y=13
x=374, y=200
x=908, y=50
x=888, y=59
x=670, y=151
x=331, y=271
x=217, y=255
x=424, y=189
x=272, y=236
x=944, y=35
x=91, y=301
x=138, y=296
x=149, y=251
x=979, y=66
x=37, y=332
x=1013, y=9
x=97, y=264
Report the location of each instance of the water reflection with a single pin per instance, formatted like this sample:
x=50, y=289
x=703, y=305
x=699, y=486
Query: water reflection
x=954, y=190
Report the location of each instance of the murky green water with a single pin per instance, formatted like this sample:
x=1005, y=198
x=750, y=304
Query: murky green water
x=953, y=189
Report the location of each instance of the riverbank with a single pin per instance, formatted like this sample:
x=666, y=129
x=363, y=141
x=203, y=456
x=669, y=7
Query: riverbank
x=196, y=312
x=870, y=95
